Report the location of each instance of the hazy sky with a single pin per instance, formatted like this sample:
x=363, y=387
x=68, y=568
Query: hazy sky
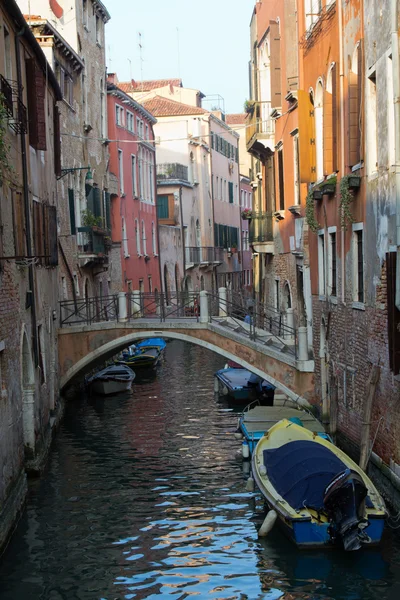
x=213, y=41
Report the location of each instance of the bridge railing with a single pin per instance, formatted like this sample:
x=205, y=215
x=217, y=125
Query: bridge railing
x=161, y=306
x=87, y=311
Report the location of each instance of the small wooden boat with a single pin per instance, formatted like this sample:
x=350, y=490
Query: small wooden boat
x=111, y=380
x=144, y=355
x=256, y=420
x=242, y=385
x=320, y=496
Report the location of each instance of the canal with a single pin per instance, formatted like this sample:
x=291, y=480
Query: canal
x=144, y=497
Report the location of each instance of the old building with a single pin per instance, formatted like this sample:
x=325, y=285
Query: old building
x=29, y=289
x=75, y=48
x=133, y=208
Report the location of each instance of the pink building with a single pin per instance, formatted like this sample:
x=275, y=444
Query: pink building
x=246, y=195
x=133, y=210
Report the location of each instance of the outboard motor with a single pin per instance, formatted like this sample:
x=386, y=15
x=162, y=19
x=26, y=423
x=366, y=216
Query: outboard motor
x=344, y=502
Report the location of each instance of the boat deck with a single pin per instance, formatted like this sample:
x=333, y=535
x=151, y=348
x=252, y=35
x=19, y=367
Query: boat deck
x=262, y=418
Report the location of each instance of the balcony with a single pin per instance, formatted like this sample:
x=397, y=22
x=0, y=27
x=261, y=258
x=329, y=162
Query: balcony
x=7, y=93
x=261, y=235
x=260, y=131
x=172, y=172
x=203, y=256
x=93, y=246
x=14, y=107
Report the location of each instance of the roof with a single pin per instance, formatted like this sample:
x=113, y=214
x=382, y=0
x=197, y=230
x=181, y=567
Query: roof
x=163, y=107
x=116, y=91
x=12, y=9
x=42, y=27
x=235, y=119
x=149, y=85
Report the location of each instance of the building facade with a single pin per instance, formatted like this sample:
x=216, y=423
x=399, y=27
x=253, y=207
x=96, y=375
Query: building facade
x=134, y=228
x=29, y=288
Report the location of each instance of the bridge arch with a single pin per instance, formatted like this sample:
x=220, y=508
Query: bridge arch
x=112, y=347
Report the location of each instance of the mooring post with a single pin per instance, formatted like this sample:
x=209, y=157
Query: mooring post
x=204, y=316
x=303, y=348
x=122, y=307
x=223, y=312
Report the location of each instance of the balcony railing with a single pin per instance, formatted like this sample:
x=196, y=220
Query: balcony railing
x=172, y=171
x=7, y=93
x=261, y=228
x=198, y=255
x=15, y=108
x=260, y=125
x=93, y=243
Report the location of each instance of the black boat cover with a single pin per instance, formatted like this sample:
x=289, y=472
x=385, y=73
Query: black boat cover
x=300, y=472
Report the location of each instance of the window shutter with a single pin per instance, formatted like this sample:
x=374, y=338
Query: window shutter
x=230, y=192
x=57, y=141
x=393, y=314
x=18, y=224
x=89, y=198
x=107, y=199
x=360, y=100
x=216, y=240
x=328, y=133
x=307, y=161
x=162, y=207
x=71, y=201
x=38, y=230
x=35, y=85
x=221, y=237
x=355, y=98
x=275, y=64
x=335, y=115
x=97, y=202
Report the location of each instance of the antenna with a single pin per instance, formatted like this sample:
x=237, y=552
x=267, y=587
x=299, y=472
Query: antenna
x=130, y=68
x=141, y=57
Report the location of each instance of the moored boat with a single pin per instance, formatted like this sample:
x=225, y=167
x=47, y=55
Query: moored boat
x=242, y=385
x=144, y=355
x=320, y=496
x=111, y=380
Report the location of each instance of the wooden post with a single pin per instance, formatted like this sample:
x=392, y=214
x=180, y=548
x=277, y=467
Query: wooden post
x=366, y=424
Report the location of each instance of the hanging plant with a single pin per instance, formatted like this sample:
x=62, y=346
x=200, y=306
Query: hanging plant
x=249, y=106
x=310, y=212
x=346, y=198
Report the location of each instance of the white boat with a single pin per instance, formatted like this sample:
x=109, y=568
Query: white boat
x=112, y=380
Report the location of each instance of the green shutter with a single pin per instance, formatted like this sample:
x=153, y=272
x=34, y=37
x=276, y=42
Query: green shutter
x=162, y=207
x=97, y=202
x=216, y=236
x=237, y=154
x=108, y=210
x=71, y=201
x=221, y=236
x=212, y=141
x=230, y=192
x=89, y=198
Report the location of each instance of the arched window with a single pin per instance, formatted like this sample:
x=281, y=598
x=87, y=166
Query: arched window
x=124, y=238
x=144, y=239
x=153, y=238
x=137, y=234
x=330, y=121
x=319, y=128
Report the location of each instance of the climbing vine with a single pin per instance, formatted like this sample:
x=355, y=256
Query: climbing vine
x=310, y=212
x=346, y=198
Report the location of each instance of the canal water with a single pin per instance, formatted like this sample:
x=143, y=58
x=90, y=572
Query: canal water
x=144, y=497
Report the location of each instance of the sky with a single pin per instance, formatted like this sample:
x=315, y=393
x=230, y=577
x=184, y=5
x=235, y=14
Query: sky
x=206, y=44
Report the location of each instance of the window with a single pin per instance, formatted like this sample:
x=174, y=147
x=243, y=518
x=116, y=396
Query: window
x=71, y=201
x=121, y=171
x=296, y=170
x=231, y=198
x=242, y=204
x=98, y=30
x=76, y=284
x=102, y=111
x=147, y=132
x=153, y=239
x=150, y=284
x=152, y=178
x=390, y=112
x=319, y=129
x=119, y=115
x=162, y=207
x=358, y=263
x=130, y=122
x=356, y=107
x=281, y=180
x=137, y=234
x=85, y=10
x=372, y=156
x=125, y=239
x=35, y=86
x=144, y=238
x=332, y=262
x=141, y=177
x=312, y=11
x=134, y=179
x=225, y=198
x=42, y=358
x=321, y=264
x=7, y=54
x=277, y=294
x=64, y=291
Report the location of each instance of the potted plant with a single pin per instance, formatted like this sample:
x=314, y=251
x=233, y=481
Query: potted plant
x=247, y=213
x=354, y=181
x=317, y=193
x=234, y=248
x=329, y=186
x=91, y=221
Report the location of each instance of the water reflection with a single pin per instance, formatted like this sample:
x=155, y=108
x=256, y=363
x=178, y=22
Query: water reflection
x=145, y=497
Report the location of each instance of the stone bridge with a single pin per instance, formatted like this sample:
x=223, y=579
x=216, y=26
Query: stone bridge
x=280, y=359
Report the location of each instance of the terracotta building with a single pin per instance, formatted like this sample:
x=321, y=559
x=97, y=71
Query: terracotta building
x=133, y=207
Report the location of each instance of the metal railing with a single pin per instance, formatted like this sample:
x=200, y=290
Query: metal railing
x=89, y=310
x=197, y=255
x=172, y=171
x=92, y=240
x=7, y=93
x=259, y=121
x=161, y=306
x=261, y=227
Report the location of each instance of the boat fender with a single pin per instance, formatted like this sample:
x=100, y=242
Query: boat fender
x=268, y=523
x=216, y=385
x=250, y=484
x=238, y=434
x=245, y=449
x=262, y=470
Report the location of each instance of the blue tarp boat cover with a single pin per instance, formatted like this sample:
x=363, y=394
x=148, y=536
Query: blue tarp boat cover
x=159, y=342
x=300, y=472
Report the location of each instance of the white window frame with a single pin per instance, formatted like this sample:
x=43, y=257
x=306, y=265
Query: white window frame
x=121, y=171
x=134, y=175
x=154, y=238
x=356, y=227
x=119, y=115
x=137, y=234
x=332, y=230
x=144, y=244
x=124, y=238
x=371, y=121
x=130, y=121
x=322, y=264
x=99, y=36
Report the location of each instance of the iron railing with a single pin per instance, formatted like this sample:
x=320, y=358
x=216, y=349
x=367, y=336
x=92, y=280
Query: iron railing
x=172, y=171
x=197, y=255
x=92, y=240
x=89, y=310
x=7, y=93
x=261, y=228
x=259, y=122
x=161, y=306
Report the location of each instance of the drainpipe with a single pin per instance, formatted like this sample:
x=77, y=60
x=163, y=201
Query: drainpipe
x=342, y=162
x=32, y=301
x=182, y=234
x=396, y=102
